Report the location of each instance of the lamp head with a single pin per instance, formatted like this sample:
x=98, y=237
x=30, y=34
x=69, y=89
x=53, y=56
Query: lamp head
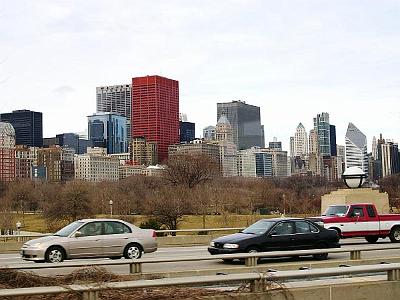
x=354, y=177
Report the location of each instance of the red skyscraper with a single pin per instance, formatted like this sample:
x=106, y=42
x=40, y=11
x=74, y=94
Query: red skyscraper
x=155, y=111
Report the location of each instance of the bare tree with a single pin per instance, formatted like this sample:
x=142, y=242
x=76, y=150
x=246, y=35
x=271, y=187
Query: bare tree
x=72, y=203
x=190, y=170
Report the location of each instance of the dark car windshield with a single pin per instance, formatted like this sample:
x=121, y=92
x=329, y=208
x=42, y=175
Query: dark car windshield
x=67, y=230
x=259, y=227
x=337, y=210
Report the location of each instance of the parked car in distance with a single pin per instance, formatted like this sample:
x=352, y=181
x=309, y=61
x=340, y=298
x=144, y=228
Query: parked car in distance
x=276, y=235
x=92, y=238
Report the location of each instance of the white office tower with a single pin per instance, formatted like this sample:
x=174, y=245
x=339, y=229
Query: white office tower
x=356, y=148
x=228, y=149
x=374, y=148
x=300, y=141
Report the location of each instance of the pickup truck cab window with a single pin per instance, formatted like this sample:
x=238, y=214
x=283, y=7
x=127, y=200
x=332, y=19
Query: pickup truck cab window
x=356, y=211
x=371, y=211
x=336, y=210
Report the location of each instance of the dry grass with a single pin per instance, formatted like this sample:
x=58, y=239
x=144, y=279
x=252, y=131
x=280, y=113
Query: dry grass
x=18, y=279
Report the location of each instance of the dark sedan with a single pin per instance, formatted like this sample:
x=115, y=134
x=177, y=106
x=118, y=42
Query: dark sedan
x=277, y=235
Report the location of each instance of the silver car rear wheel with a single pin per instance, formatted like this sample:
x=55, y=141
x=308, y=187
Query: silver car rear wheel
x=133, y=251
x=55, y=255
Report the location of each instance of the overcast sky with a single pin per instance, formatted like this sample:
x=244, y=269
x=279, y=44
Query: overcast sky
x=294, y=59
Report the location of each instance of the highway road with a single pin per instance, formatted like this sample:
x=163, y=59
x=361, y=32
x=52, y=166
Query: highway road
x=13, y=258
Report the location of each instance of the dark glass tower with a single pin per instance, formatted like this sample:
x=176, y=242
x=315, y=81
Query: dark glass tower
x=186, y=131
x=245, y=121
x=28, y=127
x=332, y=134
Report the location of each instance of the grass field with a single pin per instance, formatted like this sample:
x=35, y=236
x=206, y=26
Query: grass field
x=36, y=223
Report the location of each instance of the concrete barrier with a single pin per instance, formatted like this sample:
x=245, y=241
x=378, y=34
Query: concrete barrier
x=345, y=291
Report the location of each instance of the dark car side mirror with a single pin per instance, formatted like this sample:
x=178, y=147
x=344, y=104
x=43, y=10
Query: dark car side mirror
x=273, y=233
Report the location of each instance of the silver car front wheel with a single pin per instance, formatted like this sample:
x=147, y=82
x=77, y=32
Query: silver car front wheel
x=133, y=251
x=55, y=255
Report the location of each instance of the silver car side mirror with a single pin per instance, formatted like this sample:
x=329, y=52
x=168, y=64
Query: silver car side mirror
x=78, y=234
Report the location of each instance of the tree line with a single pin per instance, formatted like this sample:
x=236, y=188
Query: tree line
x=191, y=185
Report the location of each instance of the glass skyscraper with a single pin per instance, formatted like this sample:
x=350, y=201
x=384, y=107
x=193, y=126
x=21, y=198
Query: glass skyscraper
x=28, y=127
x=322, y=127
x=245, y=121
x=108, y=130
x=356, y=148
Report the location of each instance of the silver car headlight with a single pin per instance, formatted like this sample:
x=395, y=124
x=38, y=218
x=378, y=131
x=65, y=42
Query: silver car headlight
x=231, y=246
x=35, y=245
x=212, y=244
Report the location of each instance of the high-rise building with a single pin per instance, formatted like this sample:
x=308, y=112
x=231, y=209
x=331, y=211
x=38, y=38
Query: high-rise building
x=279, y=162
x=332, y=139
x=28, y=126
x=300, y=141
x=187, y=131
x=245, y=121
x=51, y=160
x=322, y=127
x=25, y=159
x=228, y=149
x=356, y=148
x=7, y=152
x=96, y=168
x=209, y=133
x=374, y=148
x=388, y=157
x=275, y=144
x=254, y=162
x=108, y=130
x=116, y=99
x=143, y=152
x=155, y=111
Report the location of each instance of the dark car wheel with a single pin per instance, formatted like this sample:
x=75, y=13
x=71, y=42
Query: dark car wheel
x=55, y=254
x=371, y=239
x=395, y=235
x=133, y=251
x=321, y=256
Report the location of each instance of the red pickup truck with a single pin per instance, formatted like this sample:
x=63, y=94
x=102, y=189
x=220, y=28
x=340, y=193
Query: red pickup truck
x=361, y=220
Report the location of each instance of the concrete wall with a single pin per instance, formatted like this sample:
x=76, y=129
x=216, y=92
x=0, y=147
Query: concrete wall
x=362, y=195
x=385, y=290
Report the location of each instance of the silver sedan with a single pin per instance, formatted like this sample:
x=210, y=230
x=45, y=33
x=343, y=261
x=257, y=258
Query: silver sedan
x=92, y=238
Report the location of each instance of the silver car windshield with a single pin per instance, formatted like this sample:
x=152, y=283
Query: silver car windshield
x=259, y=227
x=67, y=230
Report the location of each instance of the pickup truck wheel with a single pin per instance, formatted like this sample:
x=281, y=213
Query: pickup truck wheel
x=371, y=239
x=395, y=235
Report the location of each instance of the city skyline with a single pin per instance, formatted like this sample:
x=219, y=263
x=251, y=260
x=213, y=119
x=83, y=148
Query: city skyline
x=318, y=56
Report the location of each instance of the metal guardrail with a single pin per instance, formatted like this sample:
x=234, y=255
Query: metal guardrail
x=258, y=281
x=251, y=259
x=27, y=237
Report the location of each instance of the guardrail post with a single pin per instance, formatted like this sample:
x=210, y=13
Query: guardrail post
x=90, y=295
x=393, y=275
x=355, y=255
x=258, y=285
x=251, y=261
x=135, y=268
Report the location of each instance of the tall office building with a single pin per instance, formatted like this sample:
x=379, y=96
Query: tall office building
x=356, y=148
x=388, y=157
x=322, y=127
x=374, y=148
x=7, y=152
x=254, y=162
x=143, y=152
x=332, y=139
x=300, y=141
x=245, y=121
x=275, y=144
x=108, y=130
x=209, y=133
x=155, y=111
x=116, y=99
x=28, y=126
x=187, y=131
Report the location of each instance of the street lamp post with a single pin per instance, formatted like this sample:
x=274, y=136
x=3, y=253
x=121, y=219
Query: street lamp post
x=284, y=204
x=111, y=204
x=18, y=225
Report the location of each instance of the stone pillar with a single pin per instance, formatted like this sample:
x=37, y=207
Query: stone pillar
x=352, y=196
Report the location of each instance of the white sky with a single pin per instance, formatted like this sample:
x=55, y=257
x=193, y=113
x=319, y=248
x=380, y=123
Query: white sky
x=292, y=58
